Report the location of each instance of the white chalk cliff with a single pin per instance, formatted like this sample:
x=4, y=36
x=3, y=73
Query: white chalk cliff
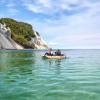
x=5, y=39
x=38, y=42
x=6, y=42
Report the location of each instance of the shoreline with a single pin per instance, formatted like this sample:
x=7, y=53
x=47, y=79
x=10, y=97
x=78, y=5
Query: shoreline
x=43, y=49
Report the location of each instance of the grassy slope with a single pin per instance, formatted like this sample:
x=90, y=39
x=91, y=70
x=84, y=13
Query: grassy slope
x=20, y=31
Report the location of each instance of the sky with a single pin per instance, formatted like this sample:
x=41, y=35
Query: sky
x=66, y=24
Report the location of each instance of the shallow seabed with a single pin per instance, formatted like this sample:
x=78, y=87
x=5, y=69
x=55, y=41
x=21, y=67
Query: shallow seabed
x=24, y=75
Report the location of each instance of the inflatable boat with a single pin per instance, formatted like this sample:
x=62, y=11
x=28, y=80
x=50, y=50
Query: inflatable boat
x=53, y=57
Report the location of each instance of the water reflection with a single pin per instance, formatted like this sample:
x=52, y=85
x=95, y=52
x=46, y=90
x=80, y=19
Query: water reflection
x=58, y=66
x=54, y=65
x=58, y=62
x=16, y=61
x=25, y=74
x=54, y=62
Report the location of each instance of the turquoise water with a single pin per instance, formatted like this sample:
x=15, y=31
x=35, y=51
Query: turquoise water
x=24, y=75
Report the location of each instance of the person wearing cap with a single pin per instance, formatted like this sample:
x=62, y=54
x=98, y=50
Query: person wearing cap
x=49, y=53
x=58, y=53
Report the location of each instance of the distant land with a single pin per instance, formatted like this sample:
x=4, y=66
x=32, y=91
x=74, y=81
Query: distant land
x=19, y=35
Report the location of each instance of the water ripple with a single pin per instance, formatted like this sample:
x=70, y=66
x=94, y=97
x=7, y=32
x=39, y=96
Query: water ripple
x=24, y=75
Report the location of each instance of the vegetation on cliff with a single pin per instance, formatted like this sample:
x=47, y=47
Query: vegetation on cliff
x=20, y=31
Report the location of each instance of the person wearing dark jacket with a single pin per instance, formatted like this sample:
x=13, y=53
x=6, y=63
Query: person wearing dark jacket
x=49, y=53
x=58, y=53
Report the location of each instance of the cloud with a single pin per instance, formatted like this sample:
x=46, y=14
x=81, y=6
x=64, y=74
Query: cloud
x=9, y=7
x=80, y=30
x=8, y=3
x=2, y=2
x=52, y=43
x=11, y=4
x=68, y=23
x=49, y=7
x=13, y=11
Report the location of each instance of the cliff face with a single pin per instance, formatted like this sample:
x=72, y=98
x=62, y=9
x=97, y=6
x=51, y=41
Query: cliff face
x=13, y=36
x=5, y=39
x=38, y=42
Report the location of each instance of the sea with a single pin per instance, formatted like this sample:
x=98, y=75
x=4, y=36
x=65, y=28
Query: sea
x=25, y=75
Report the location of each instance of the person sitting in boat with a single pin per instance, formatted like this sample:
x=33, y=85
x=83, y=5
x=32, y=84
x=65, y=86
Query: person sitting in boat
x=49, y=53
x=58, y=53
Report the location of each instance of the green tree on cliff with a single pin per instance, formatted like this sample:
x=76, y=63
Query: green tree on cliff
x=20, y=31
